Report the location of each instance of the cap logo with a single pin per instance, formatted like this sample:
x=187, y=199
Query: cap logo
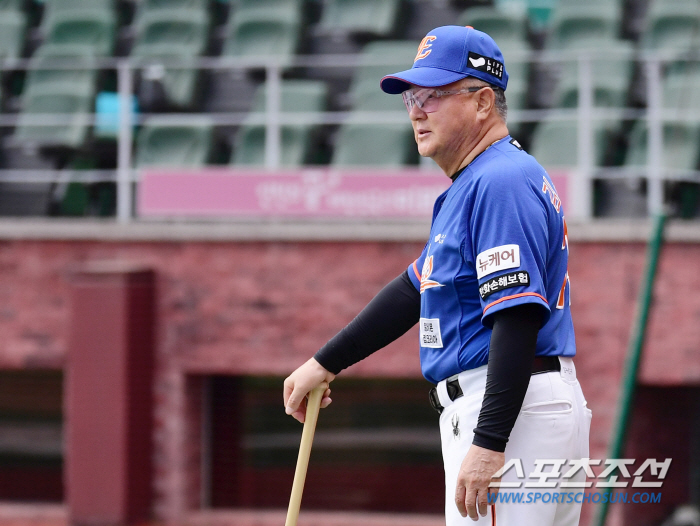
x=424, y=47
x=486, y=64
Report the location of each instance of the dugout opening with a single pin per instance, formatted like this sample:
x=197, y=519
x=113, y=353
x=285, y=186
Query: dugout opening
x=31, y=435
x=377, y=447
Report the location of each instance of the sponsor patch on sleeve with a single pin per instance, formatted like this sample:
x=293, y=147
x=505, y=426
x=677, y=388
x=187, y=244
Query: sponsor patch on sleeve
x=497, y=258
x=430, y=335
x=516, y=144
x=514, y=279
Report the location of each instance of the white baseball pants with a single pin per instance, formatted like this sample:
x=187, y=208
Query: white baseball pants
x=554, y=423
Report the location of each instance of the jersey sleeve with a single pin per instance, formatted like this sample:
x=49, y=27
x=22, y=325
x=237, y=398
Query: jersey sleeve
x=508, y=242
x=415, y=269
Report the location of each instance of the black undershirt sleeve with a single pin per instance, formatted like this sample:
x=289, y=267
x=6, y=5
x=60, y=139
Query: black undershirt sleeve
x=390, y=314
x=511, y=355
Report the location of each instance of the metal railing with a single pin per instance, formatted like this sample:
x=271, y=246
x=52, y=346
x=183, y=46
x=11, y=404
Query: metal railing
x=580, y=204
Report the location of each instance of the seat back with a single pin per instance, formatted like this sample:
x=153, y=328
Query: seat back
x=555, y=144
x=375, y=145
x=580, y=26
x=182, y=146
x=672, y=25
x=264, y=32
x=500, y=25
x=681, y=144
x=13, y=25
x=376, y=17
x=72, y=134
x=90, y=29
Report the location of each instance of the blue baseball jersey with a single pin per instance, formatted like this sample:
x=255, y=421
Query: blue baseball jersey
x=498, y=239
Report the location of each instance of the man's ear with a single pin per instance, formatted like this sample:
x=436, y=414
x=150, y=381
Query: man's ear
x=486, y=101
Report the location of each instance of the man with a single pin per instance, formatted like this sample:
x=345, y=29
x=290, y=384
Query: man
x=490, y=292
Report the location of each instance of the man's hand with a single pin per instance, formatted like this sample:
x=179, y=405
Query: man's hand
x=473, y=481
x=298, y=385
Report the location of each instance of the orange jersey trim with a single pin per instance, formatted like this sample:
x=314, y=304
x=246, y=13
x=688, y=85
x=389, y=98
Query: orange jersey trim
x=415, y=270
x=513, y=297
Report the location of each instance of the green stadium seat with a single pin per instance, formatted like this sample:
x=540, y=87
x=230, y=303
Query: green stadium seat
x=69, y=135
x=555, y=143
x=681, y=89
x=181, y=146
x=672, y=25
x=176, y=35
x=13, y=25
x=502, y=26
x=296, y=141
x=681, y=144
x=81, y=81
x=612, y=66
x=76, y=29
x=376, y=60
x=581, y=25
x=372, y=17
x=262, y=32
x=375, y=145
x=11, y=5
x=172, y=32
x=55, y=6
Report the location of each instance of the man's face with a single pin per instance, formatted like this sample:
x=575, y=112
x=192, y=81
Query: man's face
x=444, y=132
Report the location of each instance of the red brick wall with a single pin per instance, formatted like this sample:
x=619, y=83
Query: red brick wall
x=264, y=307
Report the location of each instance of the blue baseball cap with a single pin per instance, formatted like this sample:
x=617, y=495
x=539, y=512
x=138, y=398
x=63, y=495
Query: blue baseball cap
x=448, y=54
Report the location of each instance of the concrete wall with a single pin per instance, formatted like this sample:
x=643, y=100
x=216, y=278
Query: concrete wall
x=263, y=307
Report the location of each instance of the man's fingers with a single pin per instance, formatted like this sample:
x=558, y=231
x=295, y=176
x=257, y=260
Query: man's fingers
x=470, y=501
x=460, y=496
x=482, y=502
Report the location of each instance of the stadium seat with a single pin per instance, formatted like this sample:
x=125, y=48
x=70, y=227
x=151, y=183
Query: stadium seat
x=81, y=81
x=681, y=144
x=611, y=72
x=173, y=35
x=575, y=26
x=376, y=60
x=13, y=25
x=502, y=26
x=11, y=5
x=375, y=145
x=181, y=146
x=296, y=141
x=555, y=144
x=672, y=25
x=264, y=32
x=372, y=17
x=681, y=89
x=72, y=134
x=76, y=29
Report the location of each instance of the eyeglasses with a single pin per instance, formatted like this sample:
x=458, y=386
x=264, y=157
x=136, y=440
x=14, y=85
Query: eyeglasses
x=428, y=99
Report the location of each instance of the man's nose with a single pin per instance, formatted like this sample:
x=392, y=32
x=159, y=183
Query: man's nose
x=416, y=113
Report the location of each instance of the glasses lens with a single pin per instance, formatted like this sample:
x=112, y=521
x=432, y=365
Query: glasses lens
x=408, y=100
x=425, y=99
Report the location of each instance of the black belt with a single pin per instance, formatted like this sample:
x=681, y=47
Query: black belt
x=541, y=364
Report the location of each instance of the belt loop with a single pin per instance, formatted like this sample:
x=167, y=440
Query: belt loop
x=442, y=393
